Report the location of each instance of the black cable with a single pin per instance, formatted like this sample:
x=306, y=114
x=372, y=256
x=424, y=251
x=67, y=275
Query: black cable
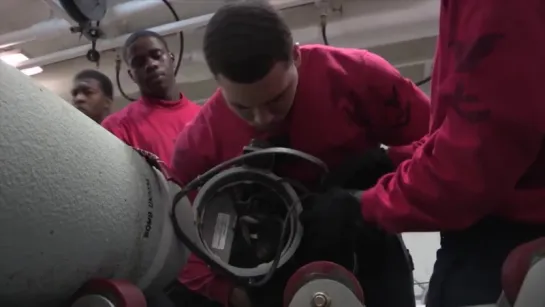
x=202, y=179
x=323, y=27
x=279, y=249
x=178, y=64
x=304, y=193
x=180, y=34
x=118, y=80
x=423, y=81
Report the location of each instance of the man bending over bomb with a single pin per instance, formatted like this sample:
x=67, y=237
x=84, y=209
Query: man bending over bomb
x=333, y=103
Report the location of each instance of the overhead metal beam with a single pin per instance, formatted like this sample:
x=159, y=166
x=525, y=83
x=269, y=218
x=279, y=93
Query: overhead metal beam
x=423, y=14
x=58, y=11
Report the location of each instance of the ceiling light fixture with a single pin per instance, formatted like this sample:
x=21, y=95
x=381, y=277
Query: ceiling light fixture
x=16, y=58
x=32, y=70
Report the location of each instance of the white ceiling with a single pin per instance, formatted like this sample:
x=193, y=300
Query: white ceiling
x=403, y=31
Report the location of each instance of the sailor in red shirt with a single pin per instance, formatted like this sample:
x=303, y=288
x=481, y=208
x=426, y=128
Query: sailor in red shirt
x=154, y=121
x=479, y=177
x=333, y=103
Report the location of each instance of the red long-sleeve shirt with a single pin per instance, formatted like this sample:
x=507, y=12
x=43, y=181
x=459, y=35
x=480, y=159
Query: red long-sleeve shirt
x=152, y=125
x=347, y=100
x=484, y=154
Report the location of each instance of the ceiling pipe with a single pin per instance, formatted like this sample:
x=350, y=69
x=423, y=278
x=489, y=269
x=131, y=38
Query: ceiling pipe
x=45, y=30
x=426, y=12
x=421, y=15
x=125, y=10
x=108, y=44
x=58, y=27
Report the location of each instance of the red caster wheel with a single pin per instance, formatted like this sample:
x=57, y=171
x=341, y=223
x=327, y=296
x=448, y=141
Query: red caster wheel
x=312, y=277
x=515, y=273
x=109, y=293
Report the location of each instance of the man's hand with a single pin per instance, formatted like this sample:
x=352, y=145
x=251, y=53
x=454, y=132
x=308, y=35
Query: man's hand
x=331, y=223
x=239, y=298
x=331, y=213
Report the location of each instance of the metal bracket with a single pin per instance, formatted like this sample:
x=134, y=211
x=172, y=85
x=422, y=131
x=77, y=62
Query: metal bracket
x=92, y=31
x=325, y=293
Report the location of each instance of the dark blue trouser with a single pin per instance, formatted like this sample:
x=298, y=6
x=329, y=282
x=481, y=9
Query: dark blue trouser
x=469, y=262
x=385, y=273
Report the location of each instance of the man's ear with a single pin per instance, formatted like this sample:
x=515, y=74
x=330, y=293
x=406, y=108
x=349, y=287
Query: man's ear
x=171, y=55
x=108, y=104
x=296, y=55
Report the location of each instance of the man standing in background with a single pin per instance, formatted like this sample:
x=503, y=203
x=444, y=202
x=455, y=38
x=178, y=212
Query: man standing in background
x=92, y=93
x=153, y=122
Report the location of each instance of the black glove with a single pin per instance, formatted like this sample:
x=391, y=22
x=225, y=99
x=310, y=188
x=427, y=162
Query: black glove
x=331, y=223
x=361, y=172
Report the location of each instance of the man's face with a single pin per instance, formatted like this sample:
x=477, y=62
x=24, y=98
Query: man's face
x=88, y=97
x=151, y=66
x=266, y=103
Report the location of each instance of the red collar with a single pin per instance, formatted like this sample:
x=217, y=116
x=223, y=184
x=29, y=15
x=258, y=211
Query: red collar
x=154, y=102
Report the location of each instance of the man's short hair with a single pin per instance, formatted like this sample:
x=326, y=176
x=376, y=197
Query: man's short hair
x=244, y=40
x=137, y=35
x=104, y=82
